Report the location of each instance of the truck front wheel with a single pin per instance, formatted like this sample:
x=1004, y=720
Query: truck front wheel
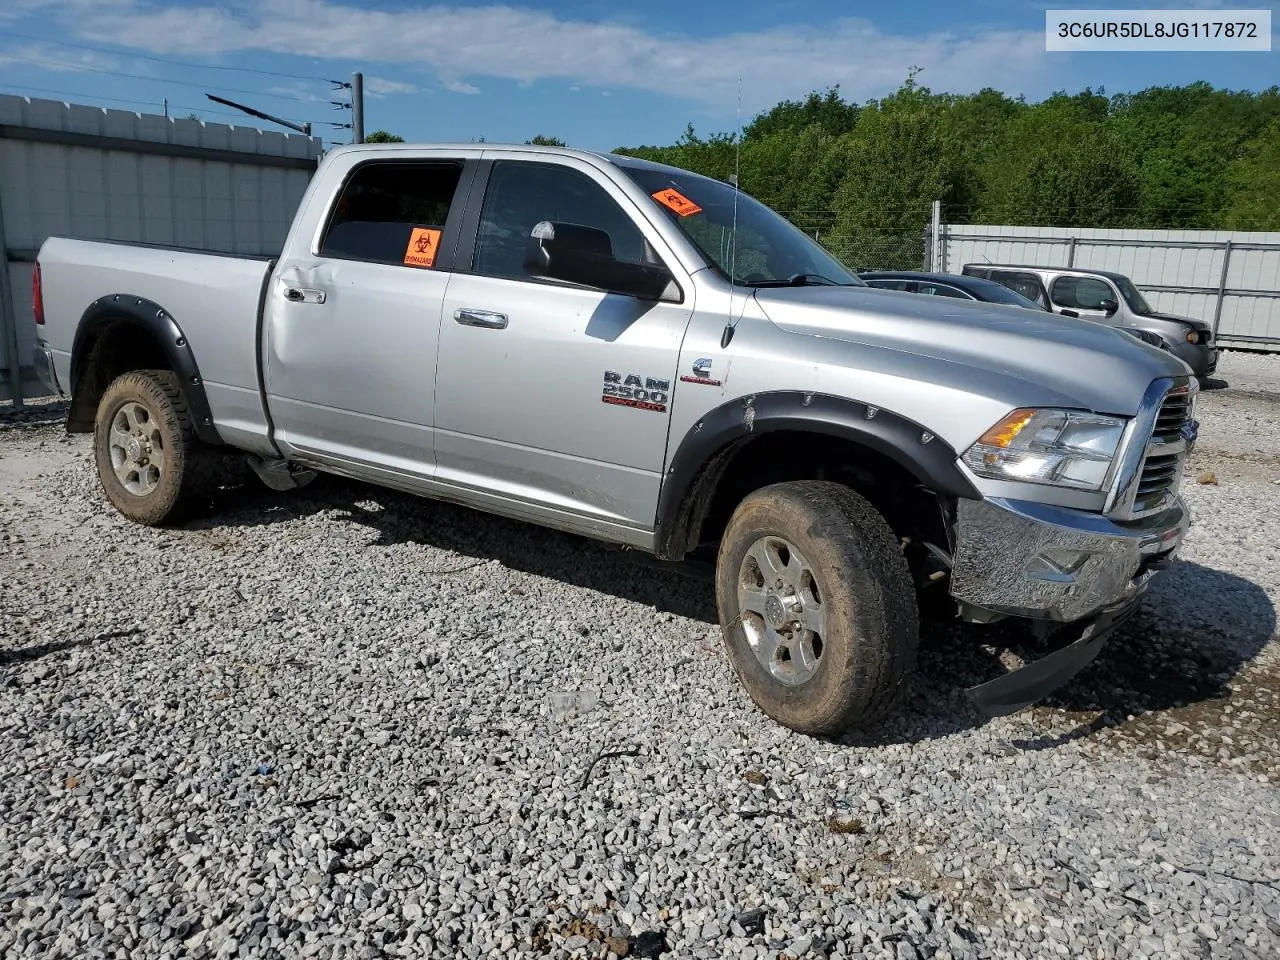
x=151, y=466
x=817, y=607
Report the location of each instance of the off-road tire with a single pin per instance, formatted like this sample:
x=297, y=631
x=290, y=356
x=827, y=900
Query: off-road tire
x=871, y=619
x=191, y=468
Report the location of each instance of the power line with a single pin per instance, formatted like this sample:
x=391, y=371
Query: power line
x=153, y=59
x=21, y=91
x=133, y=76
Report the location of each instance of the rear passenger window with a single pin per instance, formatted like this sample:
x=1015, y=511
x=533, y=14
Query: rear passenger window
x=1027, y=284
x=388, y=209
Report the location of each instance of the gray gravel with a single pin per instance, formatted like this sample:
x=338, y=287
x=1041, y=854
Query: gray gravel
x=345, y=722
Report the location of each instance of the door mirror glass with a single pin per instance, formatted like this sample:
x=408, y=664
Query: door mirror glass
x=584, y=255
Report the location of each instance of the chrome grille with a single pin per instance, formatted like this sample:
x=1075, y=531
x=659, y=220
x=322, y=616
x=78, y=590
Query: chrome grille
x=1174, y=412
x=1162, y=467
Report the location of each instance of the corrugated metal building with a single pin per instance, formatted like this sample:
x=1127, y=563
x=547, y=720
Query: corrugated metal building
x=98, y=174
x=1231, y=280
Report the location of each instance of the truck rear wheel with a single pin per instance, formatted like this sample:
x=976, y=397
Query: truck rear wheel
x=817, y=607
x=151, y=466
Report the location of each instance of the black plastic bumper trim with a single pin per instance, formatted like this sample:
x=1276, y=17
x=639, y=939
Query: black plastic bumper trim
x=1033, y=682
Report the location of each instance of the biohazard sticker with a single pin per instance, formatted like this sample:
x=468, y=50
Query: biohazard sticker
x=676, y=201
x=421, y=251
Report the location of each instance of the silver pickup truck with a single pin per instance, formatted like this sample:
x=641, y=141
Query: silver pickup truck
x=644, y=356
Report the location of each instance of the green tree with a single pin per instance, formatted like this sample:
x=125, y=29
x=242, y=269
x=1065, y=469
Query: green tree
x=381, y=136
x=1253, y=184
x=541, y=141
x=900, y=157
x=828, y=111
x=861, y=177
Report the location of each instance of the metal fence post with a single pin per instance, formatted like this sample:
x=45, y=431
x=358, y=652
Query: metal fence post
x=1222, y=286
x=8, y=320
x=935, y=235
x=1071, y=253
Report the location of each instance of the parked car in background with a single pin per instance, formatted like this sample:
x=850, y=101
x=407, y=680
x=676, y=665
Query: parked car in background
x=1109, y=298
x=947, y=285
x=963, y=287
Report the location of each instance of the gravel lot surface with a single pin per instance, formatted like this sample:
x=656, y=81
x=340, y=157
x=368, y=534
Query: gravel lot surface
x=349, y=723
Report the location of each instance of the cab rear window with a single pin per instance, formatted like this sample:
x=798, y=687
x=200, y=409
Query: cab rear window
x=383, y=203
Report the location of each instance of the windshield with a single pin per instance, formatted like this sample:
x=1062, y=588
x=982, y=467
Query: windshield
x=771, y=251
x=1137, y=303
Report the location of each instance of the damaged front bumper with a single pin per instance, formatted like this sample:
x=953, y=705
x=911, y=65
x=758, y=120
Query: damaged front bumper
x=1055, y=565
x=1035, y=680
x=1023, y=559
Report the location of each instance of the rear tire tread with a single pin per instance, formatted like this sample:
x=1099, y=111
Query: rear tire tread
x=192, y=468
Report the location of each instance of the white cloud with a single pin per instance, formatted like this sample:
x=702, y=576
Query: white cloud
x=526, y=45
x=458, y=86
x=295, y=91
x=61, y=59
x=381, y=87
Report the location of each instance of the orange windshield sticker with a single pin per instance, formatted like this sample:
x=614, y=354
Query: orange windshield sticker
x=421, y=251
x=677, y=201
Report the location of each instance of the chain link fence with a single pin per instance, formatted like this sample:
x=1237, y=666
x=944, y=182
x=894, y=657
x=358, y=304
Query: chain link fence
x=866, y=248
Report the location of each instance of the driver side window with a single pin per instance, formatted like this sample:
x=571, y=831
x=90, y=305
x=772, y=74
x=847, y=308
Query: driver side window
x=521, y=194
x=1081, y=293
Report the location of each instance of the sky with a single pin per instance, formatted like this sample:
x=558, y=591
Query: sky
x=598, y=75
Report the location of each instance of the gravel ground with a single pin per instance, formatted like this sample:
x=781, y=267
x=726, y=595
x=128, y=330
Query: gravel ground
x=349, y=723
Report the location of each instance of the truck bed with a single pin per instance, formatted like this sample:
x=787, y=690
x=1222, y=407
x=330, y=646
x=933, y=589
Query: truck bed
x=214, y=298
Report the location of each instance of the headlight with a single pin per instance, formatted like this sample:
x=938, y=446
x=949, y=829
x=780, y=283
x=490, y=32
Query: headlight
x=1065, y=448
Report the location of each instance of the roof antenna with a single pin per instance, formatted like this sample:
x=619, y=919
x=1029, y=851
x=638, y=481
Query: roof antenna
x=727, y=335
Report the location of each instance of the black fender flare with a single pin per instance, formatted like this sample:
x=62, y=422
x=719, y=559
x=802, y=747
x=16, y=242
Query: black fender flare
x=705, y=451
x=164, y=329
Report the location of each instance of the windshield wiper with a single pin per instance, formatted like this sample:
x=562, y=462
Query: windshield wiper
x=800, y=280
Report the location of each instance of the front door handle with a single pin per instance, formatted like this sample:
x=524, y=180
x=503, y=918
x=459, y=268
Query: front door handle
x=480, y=318
x=303, y=295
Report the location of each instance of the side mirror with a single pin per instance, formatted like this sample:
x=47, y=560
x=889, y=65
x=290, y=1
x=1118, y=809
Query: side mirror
x=584, y=255
x=1110, y=306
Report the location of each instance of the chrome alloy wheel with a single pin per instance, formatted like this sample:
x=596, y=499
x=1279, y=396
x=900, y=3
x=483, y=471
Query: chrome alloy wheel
x=780, y=605
x=137, y=449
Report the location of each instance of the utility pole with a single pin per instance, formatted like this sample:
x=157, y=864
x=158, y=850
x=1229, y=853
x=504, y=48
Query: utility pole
x=357, y=107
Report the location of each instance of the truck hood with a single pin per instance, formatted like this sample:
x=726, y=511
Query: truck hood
x=1061, y=359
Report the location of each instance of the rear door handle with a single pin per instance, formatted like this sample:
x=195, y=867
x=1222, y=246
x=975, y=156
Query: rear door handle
x=480, y=318
x=303, y=295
